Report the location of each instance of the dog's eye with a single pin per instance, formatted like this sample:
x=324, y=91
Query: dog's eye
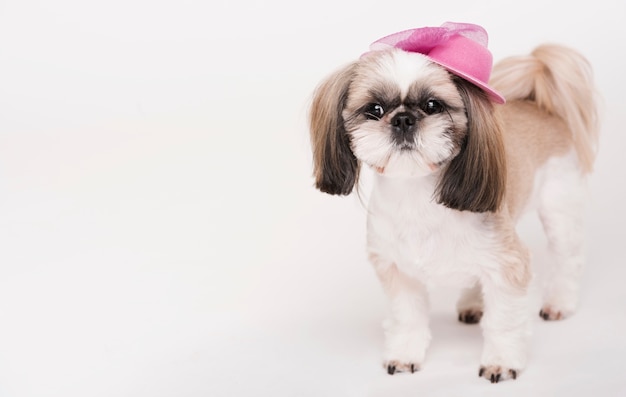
x=432, y=106
x=374, y=111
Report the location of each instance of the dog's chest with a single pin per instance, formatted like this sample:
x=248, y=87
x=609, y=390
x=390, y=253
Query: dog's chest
x=425, y=239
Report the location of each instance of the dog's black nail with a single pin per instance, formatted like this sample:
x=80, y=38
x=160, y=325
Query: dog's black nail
x=493, y=378
x=513, y=373
x=412, y=368
x=498, y=378
x=391, y=369
x=481, y=372
x=470, y=318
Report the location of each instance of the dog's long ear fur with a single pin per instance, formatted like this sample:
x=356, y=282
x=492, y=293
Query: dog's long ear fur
x=336, y=169
x=475, y=179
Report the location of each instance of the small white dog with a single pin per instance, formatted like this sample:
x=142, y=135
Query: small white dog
x=454, y=170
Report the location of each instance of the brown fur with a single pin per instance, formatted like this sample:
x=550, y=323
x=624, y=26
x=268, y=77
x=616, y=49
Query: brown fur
x=516, y=271
x=475, y=179
x=532, y=137
x=560, y=82
x=336, y=168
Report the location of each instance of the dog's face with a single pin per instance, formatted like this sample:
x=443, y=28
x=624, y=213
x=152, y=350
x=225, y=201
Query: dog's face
x=404, y=115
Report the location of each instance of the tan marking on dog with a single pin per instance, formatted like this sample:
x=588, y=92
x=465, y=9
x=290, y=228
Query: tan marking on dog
x=531, y=137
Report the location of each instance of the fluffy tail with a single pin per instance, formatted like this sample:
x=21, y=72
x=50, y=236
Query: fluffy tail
x=560, y=81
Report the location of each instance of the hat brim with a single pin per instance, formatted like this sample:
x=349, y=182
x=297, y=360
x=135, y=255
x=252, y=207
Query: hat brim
x=493, y=94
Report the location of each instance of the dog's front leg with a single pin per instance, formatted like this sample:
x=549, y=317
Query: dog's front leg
x=407, y=333
x=506, y=319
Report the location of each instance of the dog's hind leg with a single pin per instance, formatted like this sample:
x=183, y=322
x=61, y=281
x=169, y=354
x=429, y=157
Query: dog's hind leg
x=470, y=305
x=561, y=210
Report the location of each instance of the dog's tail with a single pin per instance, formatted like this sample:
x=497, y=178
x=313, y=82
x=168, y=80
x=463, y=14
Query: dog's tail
x=560, y=81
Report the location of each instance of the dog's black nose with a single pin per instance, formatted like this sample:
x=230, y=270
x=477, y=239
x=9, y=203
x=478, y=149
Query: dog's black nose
x=403, y=125
x=403, y=121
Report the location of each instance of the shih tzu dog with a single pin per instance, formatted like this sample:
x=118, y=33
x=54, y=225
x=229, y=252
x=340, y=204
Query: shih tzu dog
x=454, y=168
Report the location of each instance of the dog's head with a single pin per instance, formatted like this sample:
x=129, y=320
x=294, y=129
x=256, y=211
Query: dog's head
x=407, y=117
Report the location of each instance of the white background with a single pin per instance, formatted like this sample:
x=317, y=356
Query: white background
x=159, y=230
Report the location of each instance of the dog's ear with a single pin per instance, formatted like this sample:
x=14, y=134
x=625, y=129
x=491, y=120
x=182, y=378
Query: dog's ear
x=475, y=179
x=336, y=169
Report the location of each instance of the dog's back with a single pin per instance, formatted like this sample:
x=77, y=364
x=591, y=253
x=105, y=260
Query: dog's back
x=550, y=112
x=558, y=80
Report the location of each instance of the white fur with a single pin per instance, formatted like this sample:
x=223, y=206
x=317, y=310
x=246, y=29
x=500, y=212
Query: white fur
x=412, y=236
x=560, y=205
x=425, y=244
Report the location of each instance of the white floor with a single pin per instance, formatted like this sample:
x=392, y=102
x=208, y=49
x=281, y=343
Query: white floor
x=160, y=235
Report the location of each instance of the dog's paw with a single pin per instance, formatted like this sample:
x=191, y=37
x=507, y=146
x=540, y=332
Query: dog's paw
x=551, y=313
x=495, y=374
x=396, y=366
x=470, y=316
x=405, y=347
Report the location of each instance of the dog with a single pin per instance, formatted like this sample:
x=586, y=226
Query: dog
x=458, y=153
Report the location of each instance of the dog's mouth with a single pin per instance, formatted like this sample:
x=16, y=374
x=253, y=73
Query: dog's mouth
x=406, y=147
x=406, y=161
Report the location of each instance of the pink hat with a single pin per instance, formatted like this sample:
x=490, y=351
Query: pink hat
x=461, y=48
